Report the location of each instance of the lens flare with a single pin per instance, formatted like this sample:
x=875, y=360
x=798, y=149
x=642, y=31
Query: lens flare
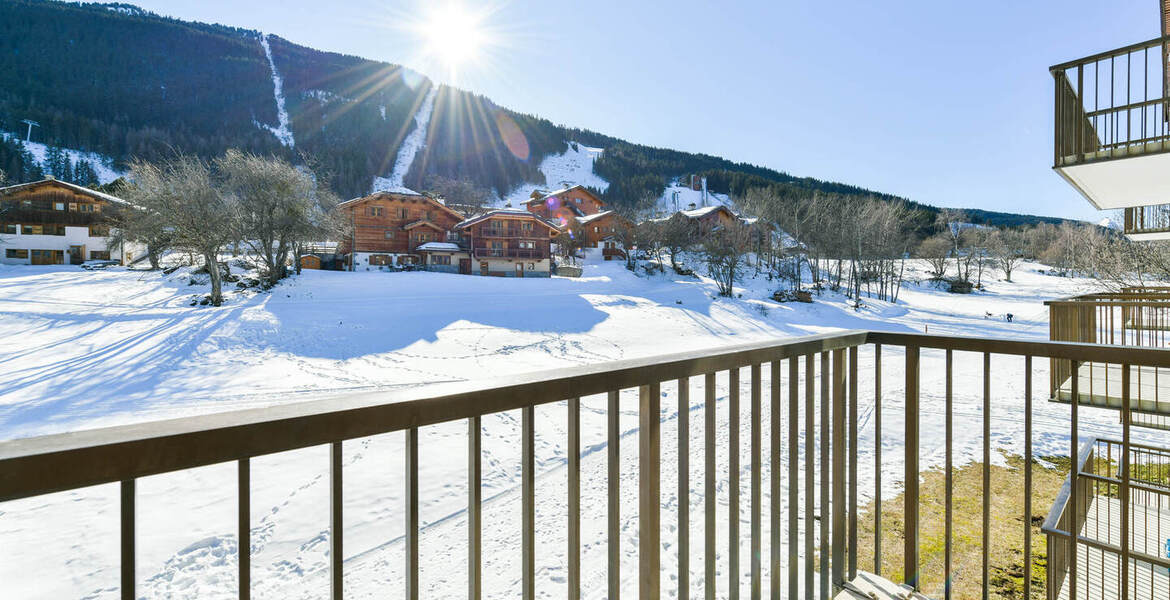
x=512, y=136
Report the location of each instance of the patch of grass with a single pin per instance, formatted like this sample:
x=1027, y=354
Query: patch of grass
x=1007, y=570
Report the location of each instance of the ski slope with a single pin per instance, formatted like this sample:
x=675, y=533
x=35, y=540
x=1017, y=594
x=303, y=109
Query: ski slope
x=282, y=131
x=102, y=165
x=572, y=167
x=89, y=349
x=414, y=142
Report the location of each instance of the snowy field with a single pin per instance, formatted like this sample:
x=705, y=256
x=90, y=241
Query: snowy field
x=91, y=349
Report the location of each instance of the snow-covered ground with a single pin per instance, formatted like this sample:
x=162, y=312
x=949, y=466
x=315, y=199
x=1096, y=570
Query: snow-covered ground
x=282, y=131
x=572, y=167
x=102, y=165
x=88, y=349
x=414, y=142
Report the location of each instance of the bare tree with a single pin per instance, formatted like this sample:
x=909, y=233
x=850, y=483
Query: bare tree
x=935, y=250
x=179, y=200
x=725, y=250
x=1007, y=248
x=676, y=235
x=276, y=207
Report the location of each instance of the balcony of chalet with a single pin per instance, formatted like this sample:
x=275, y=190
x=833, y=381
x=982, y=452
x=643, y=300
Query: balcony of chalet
x=1112, y=131
x=784, y=497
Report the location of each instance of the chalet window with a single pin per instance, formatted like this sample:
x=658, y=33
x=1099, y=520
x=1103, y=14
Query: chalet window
x=14, y=253
x=99, y=255
x=402, y=213
x=380, y=259
x=59, y=206
x=595, y=229
x=10, y=228
x=85, y=207
x=389, y=234
x=98, y=231
x=526, y=226
x=374, y=211
x=54, y=230
x=73, y=206
x=437, y=259
x=34, y=229
x=528, y=245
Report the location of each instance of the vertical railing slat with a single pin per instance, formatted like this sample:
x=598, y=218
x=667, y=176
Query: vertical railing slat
x=684, y=487
x=127, y=522
x=837, y=440
x=775, y=492
x=1073, y=500
x=793, y=477
x=877, y=459
x=733, y=484
x=709, y=486
x=910, y=535
x=826, y=401
x=410, y=492
x=754, y=450
x=986, y=476
x=649, y=498
x=853, y=454
x=528, y=503
x=244, y=526
x=949, y=519
x=574, y=492
x=810, y=452
x=1027, y=477
x=1124, y=490
x=474, y=508
x=336, y=524
x=613, y=511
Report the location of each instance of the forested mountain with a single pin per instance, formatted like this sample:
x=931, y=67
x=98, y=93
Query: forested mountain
x=126, y=83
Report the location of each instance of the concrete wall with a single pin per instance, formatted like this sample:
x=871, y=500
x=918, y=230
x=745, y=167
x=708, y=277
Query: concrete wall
x=74, y=236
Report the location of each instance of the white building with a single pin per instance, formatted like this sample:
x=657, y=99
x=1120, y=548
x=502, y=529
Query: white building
x=52, y=222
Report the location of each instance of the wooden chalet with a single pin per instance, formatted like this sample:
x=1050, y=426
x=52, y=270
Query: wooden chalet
x=509, y=243
x=52, y=222
x=387, y=228
x=605, y=230
x=564, y=207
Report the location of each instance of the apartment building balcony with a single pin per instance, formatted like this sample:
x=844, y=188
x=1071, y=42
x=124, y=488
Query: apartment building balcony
x=792, y=441
x=522, y=253
x=1147, y=223
x=1112, y=125
x=1132, y=317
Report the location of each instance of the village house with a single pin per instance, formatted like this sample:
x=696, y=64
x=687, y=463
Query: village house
x=392, y=229
x=51, y=222
x=603, y=230
x=509, y=243
x=564, y=207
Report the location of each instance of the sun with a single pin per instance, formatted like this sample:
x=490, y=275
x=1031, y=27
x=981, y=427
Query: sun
x=454, y=35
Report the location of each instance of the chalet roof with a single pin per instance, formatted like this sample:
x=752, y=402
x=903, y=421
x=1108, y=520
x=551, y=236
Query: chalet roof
x=422, y=222
x=589, y=218
x=439, y=247
x=547, y=195
x=50, y=182
x=394, y=195
x=706, y=210
x=505, y=212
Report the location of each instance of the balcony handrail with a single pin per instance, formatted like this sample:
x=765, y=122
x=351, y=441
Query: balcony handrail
x=58, y=462
x=1122, y=51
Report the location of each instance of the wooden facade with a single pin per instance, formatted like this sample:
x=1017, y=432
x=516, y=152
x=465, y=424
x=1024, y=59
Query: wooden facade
x=602, y=227
x=393, y=225
x=563, y=207
x=54, y=222
x=509, y=243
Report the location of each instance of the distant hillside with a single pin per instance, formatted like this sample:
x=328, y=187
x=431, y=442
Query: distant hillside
x=124, y=83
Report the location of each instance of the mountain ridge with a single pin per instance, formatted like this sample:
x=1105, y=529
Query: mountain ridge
x=127, y=83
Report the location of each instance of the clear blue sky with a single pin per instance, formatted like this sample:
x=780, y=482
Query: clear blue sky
x=947, y=103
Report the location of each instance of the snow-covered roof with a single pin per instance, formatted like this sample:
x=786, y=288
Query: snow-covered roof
x=65, y=184
x=594, y=217
x=439, y=247
x=505, y=212
x=412, y=196
x=706, y=210
x=548, y=195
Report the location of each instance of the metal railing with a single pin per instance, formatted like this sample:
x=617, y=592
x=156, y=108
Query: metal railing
x=812, y=381
x=1135, y=316
x=1120, y=496
x=1147, y=219
x=1111, y=105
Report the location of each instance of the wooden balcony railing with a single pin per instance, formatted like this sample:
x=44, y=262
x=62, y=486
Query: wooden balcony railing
x=1112, y=104
x=532, y=253
x=803, y=396
x=1147, y=219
